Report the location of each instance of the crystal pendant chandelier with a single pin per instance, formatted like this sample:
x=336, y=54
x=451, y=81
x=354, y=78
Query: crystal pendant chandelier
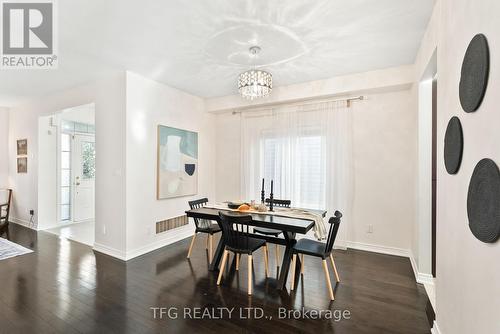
x=255, y=83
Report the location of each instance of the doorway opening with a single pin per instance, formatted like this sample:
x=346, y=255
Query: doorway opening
x=71, y=138
x=425, y=247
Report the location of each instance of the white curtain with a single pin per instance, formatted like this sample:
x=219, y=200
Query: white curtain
x=306, y=150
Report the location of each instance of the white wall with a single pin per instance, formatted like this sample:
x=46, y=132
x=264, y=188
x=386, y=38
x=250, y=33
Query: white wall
x=47, y=172
x=81, y=114
x=109, y=96
x=388, y=79
x=468, y=270
x=150, y=104
x=384, y=144
x=128, y=109
x=384, y=135
x=467, y=288
x=228, y=157
x=4, y=147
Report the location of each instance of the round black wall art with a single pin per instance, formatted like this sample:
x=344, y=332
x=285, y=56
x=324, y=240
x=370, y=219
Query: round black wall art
x=483, y=201
x=453, y=145
x=475, y=70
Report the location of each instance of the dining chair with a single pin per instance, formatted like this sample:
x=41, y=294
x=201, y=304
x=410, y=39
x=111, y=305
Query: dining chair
x=319, y=249
x=235, y=231
x=284, y=203
x=203, y=226
x=5, y=199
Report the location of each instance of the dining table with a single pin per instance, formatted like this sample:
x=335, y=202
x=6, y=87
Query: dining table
x=290, y=227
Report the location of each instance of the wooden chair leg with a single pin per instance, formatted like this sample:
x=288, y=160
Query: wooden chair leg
x=277, y=256
x=210, y=247
x=222, y=266
x=334, y=268
x=208, y=241
x=249, y=274
x=266, y=264
x=294, y=263
x=191, y=245
x=267, y=254
x=328, y=282
x=237, y=262
x=302, y=263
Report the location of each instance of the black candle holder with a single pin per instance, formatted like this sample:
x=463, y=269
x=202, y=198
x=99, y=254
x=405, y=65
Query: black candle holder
x=271, y=200
x=262, y=197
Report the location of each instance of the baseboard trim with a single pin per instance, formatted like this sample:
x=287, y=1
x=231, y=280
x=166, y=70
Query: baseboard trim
x=435, y=328
x=421, y=278
x=414, y=265
x=48, y=227
x=180, y=234
x=23, y=222
x=170, y=237
x=378, y=249
x=121, y=255
x=425, y=279
x=340, y=247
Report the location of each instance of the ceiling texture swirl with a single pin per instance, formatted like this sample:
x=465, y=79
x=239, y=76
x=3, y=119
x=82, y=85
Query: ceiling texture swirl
x=201, y=46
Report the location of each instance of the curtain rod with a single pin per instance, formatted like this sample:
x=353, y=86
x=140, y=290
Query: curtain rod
x=302, y=103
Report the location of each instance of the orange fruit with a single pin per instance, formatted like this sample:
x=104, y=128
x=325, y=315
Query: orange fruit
x=243, y=207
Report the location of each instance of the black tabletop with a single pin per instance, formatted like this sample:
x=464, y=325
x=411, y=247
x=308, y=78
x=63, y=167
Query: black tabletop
x=295, y=225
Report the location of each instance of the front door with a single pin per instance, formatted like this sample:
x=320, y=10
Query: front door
x=83, y=177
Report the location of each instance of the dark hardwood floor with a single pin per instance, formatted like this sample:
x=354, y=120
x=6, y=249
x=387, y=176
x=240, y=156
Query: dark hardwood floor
x=65, y=287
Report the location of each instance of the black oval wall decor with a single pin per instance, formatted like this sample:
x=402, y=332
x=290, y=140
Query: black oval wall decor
x=483, y=201
x=475, y=71
x=453, y=145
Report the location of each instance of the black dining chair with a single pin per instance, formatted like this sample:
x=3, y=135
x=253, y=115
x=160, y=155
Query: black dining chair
x=284, y=203
x=319, y=249
x=235, y=231
x=203, y=226
x=5, y=199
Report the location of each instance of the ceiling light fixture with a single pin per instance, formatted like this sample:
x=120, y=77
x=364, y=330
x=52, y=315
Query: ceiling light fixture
x=255, y=83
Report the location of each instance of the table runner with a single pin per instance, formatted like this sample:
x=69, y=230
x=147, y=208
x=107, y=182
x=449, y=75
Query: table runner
x=319, y=223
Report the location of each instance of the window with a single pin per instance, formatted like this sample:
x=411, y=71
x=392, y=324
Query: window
x=88, y=160
x=310, y=177
x=295, y=165
x=76, y=127
x=271, y=146
x=305, y=149
x=65, y=188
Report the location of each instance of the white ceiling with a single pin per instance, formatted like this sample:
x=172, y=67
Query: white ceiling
x=200, y=46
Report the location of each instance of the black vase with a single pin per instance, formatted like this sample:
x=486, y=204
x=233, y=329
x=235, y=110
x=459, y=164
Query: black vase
x=190, y=168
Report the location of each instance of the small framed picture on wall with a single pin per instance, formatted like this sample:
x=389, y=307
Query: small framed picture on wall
x=22, y=165
x=22, y=147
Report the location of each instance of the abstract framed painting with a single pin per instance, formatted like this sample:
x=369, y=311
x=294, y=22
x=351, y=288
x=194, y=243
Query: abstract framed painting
x=177, y=163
